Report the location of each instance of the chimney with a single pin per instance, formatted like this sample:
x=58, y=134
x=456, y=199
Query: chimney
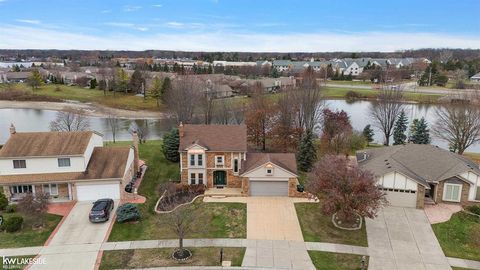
x=181, y=132
x=135, y=141
x=12, y=129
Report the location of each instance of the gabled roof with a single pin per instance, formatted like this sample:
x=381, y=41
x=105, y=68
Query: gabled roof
x=286, y=161
x=423, y=163
x=105, y=163
x=215, y=137
x=36, y=144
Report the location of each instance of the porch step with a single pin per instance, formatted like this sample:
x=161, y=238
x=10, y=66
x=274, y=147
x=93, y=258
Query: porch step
x=429, y=201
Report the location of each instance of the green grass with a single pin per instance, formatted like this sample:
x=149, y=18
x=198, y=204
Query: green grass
x=17, y=265
x=460, y=268
x=27, y=236
x=350, y=82
x=161, y=257
x=460, y=236
x=317, y=227
x=335, y=261
x=120, y=100
x=224, y=219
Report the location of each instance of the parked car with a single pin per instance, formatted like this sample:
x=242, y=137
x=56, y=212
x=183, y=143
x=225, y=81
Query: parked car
x=101, y=210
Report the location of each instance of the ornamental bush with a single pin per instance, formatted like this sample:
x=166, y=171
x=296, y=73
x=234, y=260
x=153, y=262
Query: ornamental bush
x=3, y=201
x=13, y=223
x=11, y=208
x=127, y=212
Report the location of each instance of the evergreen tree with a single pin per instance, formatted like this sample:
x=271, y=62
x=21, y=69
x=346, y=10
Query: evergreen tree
x=399, y=129
x=166, y=85
x=368, y=134
x=307, y=154
x=35, y=80
x=137, y=82
x=156, y=90
x=419, y=132
x=93, y=83
x=171, y=142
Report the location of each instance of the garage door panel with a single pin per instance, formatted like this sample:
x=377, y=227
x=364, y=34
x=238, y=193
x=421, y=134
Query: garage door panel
x=269, y=188
x=401, y=199
x=95, y=192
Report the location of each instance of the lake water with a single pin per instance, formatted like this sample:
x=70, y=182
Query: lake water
x=39, y=120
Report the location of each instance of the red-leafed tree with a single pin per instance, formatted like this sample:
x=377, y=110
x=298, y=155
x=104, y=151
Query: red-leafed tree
x=336, y=131
x=348, y=190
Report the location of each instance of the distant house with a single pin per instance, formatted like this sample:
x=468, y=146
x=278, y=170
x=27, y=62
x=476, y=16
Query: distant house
x=17, y=77
x=415, y=174
x=476, y=77
x=66, y=165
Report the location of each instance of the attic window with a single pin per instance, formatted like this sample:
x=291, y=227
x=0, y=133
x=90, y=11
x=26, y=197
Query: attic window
x=269, y=169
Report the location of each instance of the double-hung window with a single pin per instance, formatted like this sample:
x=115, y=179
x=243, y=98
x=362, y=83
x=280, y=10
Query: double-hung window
x=477, y=197
x=51, y=189
x=192, y=179
x=19, y=164
x=452, y=192
x=64, y=162
x=199, y=160
x=235, y=165
x=192, y=160
x=200, y=178
x=219, y=160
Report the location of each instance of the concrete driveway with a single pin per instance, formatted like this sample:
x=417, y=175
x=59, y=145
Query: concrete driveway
x=402, y=238
x=83, y=240
x=272, y=218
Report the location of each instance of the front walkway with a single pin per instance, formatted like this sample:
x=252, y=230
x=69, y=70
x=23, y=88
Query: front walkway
x=442, y=212
x=402, y=238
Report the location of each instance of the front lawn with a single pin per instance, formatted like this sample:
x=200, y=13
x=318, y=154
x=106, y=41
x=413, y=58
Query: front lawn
x=218, y=220
x=162, y=257
x=27, y=236
x=317, y=227
x=336, y=261
x=460, y=236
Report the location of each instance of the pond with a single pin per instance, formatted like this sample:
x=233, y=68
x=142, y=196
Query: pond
x=39, y=120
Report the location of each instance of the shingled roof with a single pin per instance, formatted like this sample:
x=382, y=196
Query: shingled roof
x=105, y=163
x=214, y=137
x=423, y=163
x=285, y=160
x=36, y=144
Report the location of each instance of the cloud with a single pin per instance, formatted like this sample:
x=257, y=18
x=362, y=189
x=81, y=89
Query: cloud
x=28, y=21
x=157, y=5
x=129, y=8
x=19, y=37
x=105, y=11
x=180, y=25
x=127, y=25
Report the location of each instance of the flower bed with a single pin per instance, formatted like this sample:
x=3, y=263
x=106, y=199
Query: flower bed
x=176, y=195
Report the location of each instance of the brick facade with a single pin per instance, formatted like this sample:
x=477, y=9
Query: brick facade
x=292, y=189
x=464, y=195
x=420, y=196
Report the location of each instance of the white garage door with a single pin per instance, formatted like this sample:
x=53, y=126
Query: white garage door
x=268, y=188
x=401, y=199
x=95, y=192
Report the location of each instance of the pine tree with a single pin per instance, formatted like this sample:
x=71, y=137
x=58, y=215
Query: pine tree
x=419, y=132
x=368, y=134
x=399, y=129
x=156, y=90
x=307, y=154
x=35, y=80
x=171, y=142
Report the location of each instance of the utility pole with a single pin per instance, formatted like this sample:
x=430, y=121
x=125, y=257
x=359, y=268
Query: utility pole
x=430, y=76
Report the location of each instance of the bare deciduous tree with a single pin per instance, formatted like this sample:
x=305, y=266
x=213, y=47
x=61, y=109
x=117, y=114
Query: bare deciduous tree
x=458, y=125
x=69, y=121
x=112, y=121
x=309, y=101
x=385, y=109
x=207, y=100
x=35, y=206
x=141, y=127
x=184, y=97
x=285, y=132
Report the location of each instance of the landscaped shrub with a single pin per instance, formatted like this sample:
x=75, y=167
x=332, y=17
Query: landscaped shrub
x=3, y=201
x=13, y=223
x=352, y=95
x=11, y=208
x=127, y=212
x=474, y=209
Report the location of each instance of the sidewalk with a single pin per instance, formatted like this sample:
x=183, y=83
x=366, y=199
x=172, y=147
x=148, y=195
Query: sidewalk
x=265, y=249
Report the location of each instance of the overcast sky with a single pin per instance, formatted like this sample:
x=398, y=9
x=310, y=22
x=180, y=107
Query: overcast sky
x=240, y=25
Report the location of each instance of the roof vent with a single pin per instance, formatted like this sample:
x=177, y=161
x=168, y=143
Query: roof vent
x=389, y=167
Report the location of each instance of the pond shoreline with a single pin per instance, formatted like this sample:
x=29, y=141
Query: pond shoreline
x=87, y=109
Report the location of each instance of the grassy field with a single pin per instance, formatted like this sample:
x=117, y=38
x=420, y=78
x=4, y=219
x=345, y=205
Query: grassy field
x=349, y=82
x=227, y=219
x=335, y=261
x=64, y=92
x=27, y=236
x=161, y=257
x=317, y=227
x=460, y=236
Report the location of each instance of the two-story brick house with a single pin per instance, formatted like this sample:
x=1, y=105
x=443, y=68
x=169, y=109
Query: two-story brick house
x=217, y=156
x=66, y=165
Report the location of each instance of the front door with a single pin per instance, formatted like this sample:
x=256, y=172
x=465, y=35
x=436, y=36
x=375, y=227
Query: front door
x=219, y=178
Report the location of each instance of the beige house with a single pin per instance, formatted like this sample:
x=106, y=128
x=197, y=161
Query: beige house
x=413, y=175
x=66, y=165
x=218, y=157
